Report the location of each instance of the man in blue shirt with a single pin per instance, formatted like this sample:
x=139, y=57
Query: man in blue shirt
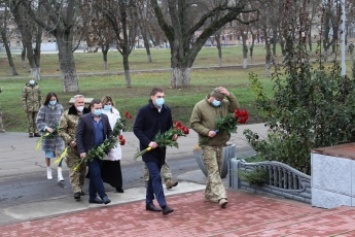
x=93, y=128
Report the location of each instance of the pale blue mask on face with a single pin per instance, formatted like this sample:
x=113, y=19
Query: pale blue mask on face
x=159, y=102
x=32, y=82
x=98, y=112
x=52, y=102
x=216, y=103
x=108, y=107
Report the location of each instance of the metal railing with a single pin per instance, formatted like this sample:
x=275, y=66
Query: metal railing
x=279, y=180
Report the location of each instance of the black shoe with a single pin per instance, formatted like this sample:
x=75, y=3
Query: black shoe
x=106, y=200
x=82, y=193
x=96, y=201
x=77, y=196
x=37, y=135
x=119, y=190
x=30, y=135
x=167, y=210
x=151, y=207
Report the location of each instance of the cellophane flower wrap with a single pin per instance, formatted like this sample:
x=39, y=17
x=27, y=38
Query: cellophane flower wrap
x=166, y=139
x=104, y=148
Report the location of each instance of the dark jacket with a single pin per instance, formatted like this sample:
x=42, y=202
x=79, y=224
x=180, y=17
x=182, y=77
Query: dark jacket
x=85, y=132
x=148, y=123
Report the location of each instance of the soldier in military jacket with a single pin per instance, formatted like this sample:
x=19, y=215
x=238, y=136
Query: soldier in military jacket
x=31, y=101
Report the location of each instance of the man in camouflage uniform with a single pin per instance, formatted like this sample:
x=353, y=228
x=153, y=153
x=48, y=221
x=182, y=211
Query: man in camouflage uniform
x=67, y=130
x=203, y=121
x=32, y=101
x=1, y=124
x=165, y=174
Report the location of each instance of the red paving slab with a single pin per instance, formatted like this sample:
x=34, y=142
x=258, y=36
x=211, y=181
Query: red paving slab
x=246, y=215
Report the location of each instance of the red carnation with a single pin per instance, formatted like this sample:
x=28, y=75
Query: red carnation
x=128, y=115
x=123, y=141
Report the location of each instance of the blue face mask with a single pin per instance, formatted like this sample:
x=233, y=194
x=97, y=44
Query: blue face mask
x=159, y=102
x=107, y=107
x=52, y=102
x=98, y=112
x=216, y=103
x=32, y=82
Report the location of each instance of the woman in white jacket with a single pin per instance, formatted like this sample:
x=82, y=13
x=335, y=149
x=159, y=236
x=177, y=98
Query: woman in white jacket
x=111, y=166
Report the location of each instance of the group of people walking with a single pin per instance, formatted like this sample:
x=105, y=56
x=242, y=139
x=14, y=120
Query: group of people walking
x=79, y=129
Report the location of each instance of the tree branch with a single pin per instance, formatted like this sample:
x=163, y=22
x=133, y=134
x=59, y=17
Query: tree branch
x=169, y=30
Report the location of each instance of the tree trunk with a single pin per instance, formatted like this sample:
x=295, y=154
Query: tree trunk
x=8, y=53
x=219, y=49
x=104, y=49
x=23, y=55
x=67, y=64
x=127, y=71
x=26, y=29
x=274, y=42
x=180, y=77
x=310, y=42
x=147, y=47
x=245, y=51
x=251, y=49
x=267, y=58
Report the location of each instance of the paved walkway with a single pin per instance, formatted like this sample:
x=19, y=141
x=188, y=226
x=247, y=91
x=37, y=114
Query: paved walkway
x=246, y=214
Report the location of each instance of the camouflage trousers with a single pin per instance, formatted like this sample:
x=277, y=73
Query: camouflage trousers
x=77, y=177
x=212, y=158
x=31, y=118
x=165, y=173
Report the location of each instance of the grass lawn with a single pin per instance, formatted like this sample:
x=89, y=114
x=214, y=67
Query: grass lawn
x=180, y=100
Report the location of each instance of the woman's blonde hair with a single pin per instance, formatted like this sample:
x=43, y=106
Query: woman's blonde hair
x=106, y=99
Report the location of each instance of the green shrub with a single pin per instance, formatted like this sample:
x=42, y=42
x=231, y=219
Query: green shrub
x=312, y=107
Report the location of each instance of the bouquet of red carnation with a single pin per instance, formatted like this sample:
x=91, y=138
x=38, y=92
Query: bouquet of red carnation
x=101, y=150
x=230, y=121
x=122, y=140
x=166, y=139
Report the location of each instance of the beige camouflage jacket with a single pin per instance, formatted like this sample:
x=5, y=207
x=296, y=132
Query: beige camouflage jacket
x=31, y=98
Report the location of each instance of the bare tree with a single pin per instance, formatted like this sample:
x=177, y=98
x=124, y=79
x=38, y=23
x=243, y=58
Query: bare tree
x=27, y=27
x=123, y=18
x=330, y=19
x=145, y=15
x=99, y=30
x=6, y=34
x=59, y=21
x=180, y=28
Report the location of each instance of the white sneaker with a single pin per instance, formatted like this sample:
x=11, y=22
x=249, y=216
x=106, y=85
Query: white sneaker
x=49, y=173
x=60, y=175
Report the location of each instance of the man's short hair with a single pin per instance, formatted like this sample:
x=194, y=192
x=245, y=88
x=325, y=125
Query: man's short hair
x=95, y=101
x=155, y=91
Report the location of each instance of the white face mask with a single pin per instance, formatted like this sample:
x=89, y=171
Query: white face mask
x=216, y=103
x=80, y=108
x=32, y=82
x=159, y=102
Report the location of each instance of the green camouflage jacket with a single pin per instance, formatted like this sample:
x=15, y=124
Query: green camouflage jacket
x=31, y=98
